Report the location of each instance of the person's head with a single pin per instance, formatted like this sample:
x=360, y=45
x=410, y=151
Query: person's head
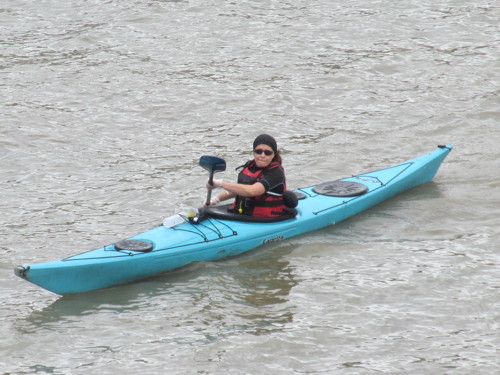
x=265, y=150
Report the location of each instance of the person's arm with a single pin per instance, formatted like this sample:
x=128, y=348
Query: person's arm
x=243, y=190
x=239, y=189
x=225, y=195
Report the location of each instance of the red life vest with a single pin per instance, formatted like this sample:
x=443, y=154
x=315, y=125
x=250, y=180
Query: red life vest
x=265, y=205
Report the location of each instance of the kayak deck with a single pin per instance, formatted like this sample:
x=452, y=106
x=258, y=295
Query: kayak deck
x=219, y=236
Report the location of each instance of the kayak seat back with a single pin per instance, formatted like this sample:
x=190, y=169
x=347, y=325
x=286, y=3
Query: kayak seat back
x=225, y=212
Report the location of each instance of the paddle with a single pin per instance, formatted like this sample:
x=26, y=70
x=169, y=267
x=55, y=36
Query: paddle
x=212, y=164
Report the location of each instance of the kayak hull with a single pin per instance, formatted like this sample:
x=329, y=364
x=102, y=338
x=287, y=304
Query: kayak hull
x=215, y=238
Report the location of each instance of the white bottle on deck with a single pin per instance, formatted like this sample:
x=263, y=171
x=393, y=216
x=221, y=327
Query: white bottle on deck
x=177, y=219
x=173, y=220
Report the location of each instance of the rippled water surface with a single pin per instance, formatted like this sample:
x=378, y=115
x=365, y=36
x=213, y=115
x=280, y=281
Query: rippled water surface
x=107, y=106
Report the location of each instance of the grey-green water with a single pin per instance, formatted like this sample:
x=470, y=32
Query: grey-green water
x=106, y=107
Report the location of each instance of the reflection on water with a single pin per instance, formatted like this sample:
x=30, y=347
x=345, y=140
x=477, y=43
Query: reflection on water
x=266, y=284
x=248, y=293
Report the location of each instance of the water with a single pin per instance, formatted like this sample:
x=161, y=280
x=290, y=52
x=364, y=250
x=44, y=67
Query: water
x=106, y=108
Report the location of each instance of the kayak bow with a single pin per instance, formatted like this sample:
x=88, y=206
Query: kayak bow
x=220, y=235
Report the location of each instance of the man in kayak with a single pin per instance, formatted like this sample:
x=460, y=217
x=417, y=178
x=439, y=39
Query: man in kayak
x=261, y=183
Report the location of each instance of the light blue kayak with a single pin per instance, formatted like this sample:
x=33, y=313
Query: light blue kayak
x=222, y=233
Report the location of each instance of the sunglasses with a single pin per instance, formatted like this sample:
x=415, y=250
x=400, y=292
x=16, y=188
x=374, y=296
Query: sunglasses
x=259, y=151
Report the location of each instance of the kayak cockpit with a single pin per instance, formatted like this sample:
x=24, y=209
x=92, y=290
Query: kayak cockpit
x=225, y=212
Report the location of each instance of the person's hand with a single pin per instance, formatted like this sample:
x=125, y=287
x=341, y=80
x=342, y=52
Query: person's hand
x=217, y=183
x=213, y=202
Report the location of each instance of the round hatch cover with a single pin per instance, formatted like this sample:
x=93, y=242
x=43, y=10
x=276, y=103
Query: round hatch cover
x=134, y=245
x=341, y=188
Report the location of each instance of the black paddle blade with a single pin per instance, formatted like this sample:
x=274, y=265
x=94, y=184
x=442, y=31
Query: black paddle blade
x=213, y=163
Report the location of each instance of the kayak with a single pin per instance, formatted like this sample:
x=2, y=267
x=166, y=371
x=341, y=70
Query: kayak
x=218, y=232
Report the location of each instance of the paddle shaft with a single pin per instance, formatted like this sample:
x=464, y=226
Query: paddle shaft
x=209, y=193
x=212, y=164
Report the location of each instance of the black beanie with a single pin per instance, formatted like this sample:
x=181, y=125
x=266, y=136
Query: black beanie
x=265, y=139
